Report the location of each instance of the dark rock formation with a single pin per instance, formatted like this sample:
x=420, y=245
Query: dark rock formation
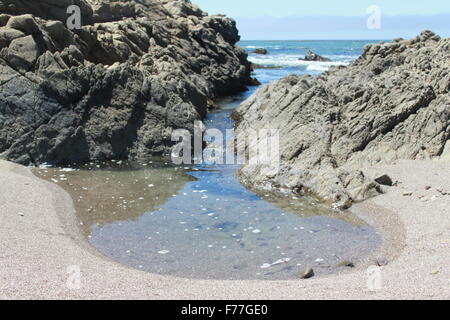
x=260, y=51
x=392, y=103
x=117, y=87
x=311, y=56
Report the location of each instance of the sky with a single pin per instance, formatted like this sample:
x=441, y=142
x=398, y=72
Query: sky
x=333, y=19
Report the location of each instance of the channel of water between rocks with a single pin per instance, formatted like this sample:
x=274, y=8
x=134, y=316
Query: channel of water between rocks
x=199, y=222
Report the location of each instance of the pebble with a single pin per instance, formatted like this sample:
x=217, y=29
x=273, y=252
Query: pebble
x=163, y=252
x=407, y=194
x=21, y=214
x=307, y=273
x=382, y=261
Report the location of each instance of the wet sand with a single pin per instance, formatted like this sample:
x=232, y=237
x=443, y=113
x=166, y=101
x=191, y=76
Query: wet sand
x=41, y=238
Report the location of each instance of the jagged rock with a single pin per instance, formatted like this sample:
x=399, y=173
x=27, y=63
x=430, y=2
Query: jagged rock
x=117, y=88
x=21, y=54
x=47, y=9
x=7, y=35
x=392, y=103
x=311, y=56
x=260, y=51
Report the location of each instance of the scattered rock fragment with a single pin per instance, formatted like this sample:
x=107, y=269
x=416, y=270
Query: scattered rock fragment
x=407, y=194
x=384, y=180
x=308, y=273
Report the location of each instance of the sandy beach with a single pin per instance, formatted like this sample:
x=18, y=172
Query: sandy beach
x=40, y=241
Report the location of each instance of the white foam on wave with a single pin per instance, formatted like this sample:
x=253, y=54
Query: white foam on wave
x=289, y=61
x=266, y=47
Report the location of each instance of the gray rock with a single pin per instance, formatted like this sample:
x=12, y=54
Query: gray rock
x=260, y=51
x=384, y=180
x=25, y=23
x=7, y=35
x=392, y=103
x=115, y=89
x=48, y=9
x=382, y=261
x=21, y=54
x=308, y=273
x=311, y=56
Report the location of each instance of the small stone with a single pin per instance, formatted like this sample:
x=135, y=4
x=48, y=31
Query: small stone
x=435, y=272
x=427, y=188
x=407, y=194
x=384, y=180
x=21, y=214
x=382, y=261
x=307, y=273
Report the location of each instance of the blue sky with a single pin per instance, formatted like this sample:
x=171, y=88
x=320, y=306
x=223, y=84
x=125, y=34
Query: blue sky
x=332, y=19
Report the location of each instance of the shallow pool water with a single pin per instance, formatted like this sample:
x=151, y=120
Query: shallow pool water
x=200, y=222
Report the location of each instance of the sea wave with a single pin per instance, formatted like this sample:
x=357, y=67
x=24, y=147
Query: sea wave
x=285, y=61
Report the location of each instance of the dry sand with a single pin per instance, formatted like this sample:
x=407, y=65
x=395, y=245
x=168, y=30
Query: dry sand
x=40, y=240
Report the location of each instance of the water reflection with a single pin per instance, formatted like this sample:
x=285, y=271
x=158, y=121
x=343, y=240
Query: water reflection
x=201, y=222
x=108, y=192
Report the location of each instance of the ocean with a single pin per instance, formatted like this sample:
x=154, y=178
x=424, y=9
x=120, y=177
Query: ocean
x=284, y=55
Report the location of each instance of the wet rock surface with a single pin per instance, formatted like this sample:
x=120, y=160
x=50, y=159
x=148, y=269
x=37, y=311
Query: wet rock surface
x=117, y=87
x=311, y=56
x=260, y=51
x=392, y=103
